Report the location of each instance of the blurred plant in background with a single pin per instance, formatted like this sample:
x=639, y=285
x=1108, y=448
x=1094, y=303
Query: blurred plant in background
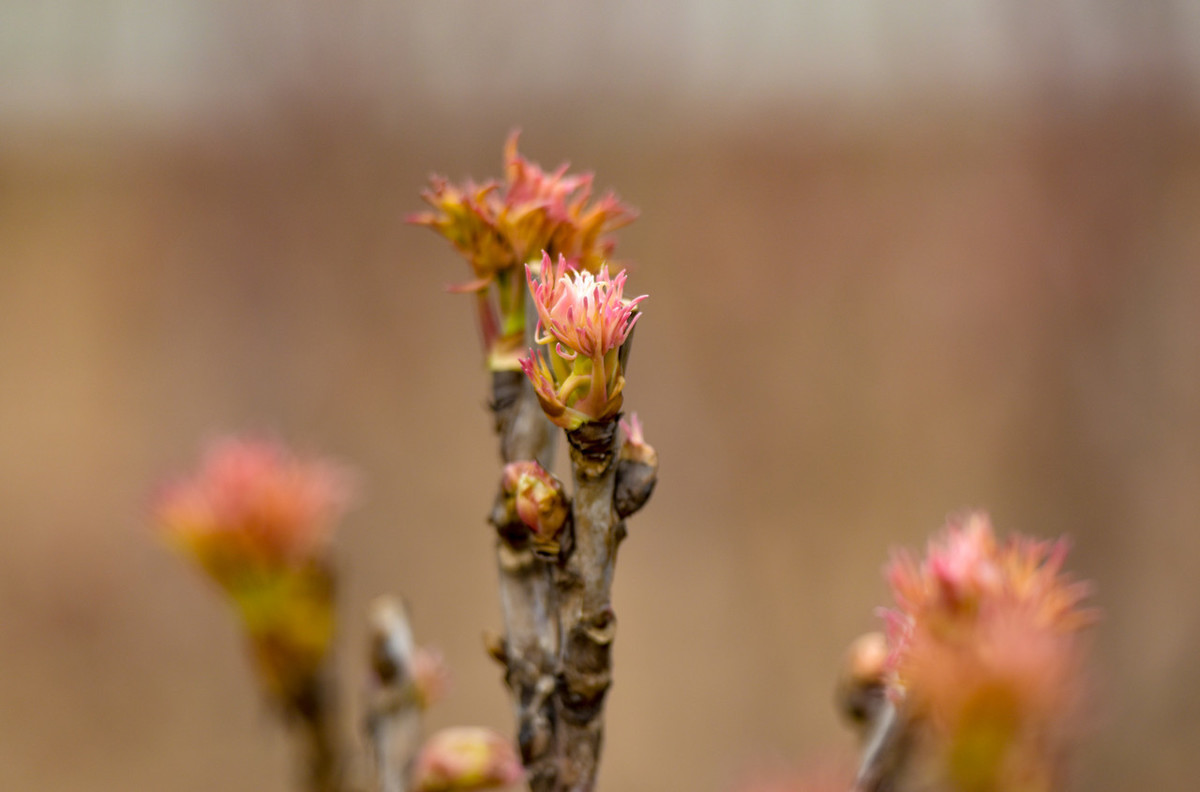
x=985, y=674
x=259, y=521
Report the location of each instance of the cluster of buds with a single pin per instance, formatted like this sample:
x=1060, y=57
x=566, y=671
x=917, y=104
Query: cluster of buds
x=583, y=319
x=537, y=498
x=465, y=758
x=259, y=521
x=985, y=653
x=498, y=229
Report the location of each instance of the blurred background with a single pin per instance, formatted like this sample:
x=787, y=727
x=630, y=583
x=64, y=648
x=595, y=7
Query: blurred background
x=903, y=258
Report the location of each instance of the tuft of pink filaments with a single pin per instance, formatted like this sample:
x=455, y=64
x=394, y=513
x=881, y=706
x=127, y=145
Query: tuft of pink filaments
x=254, y=499
x=582, y=313
x=583, y=319
x=986, y=650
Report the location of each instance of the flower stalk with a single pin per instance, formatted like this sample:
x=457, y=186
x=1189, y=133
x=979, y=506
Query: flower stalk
x=985, y=666
x=528, y=650
x=583, y=330
x=258, y=520
x=555, y=553
x=588, y=622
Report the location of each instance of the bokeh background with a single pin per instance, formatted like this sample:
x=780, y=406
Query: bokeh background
x=903, y=258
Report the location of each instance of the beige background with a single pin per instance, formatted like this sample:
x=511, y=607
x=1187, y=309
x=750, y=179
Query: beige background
x=900, y=263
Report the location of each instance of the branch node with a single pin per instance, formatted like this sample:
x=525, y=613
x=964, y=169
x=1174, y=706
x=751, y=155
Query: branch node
x=592, y=447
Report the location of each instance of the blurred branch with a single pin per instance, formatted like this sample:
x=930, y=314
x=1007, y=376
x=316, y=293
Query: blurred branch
x=393, y=719
x=313, y=705
x=885, y=753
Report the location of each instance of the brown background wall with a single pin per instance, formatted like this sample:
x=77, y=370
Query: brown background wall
x=861, y=318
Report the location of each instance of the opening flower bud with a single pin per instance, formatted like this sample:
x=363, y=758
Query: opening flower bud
x=540, y=503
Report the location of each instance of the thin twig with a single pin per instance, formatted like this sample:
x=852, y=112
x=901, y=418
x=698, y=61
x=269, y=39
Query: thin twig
x=393, y=719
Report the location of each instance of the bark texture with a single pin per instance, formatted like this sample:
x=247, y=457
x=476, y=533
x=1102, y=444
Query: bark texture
x=587, y=621
x=527, y=594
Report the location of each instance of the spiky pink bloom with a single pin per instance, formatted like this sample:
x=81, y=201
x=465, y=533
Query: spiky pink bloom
x=498, y=228
x=253, y=502
x=259, y=521
x=572, y=225
x=986, y=649
x=583, y=319
x=585, y=314
x=464, y=758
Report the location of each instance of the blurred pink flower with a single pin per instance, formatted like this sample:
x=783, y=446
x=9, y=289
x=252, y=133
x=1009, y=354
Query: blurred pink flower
x=985, y=649
x=253, y=502
x=466, y=758
x=259, y=521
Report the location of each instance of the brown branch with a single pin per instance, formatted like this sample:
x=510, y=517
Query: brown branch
x=312, y=706
x=586, y=617
x=531, y=632
x=519, y=421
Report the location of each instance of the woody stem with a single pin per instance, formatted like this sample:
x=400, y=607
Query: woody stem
x=531, y=638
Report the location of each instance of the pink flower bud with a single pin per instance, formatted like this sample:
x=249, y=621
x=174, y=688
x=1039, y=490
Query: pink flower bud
x=635, y=448
x=637, y=469
x=540, y=502
x=466, y=758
